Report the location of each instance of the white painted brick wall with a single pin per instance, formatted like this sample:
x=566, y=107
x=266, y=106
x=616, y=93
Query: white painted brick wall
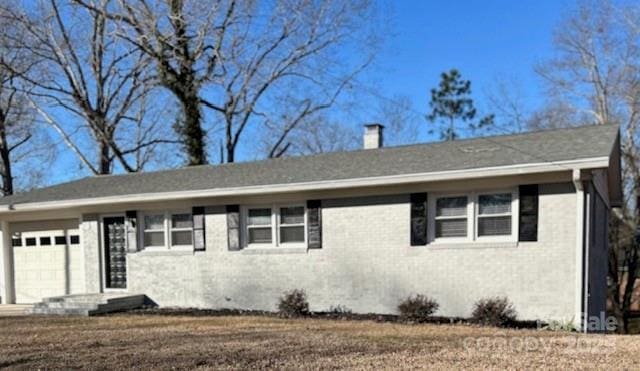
x=89, y=240
x=366, y=264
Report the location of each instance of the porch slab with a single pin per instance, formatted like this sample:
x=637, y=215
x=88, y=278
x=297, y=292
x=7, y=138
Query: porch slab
x=88, y=304
x=13, y=310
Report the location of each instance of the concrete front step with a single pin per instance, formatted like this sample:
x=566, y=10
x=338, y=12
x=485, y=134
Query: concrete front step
x=64, y=305
x=61, y=311
x=89, y=298
x=88, y=304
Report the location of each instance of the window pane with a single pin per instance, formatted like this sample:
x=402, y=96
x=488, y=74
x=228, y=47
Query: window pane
x=74, y=239
x=181, y=221
x=259, y=217
x=61, y=240
x=451, y=206
x=45, y=241
x=451, y=228
x=292, y=215
x=494, y=204
x=181, y=238
x=260, y=235
x=154, y=221
x=494, y=226
x=291, y=234
x=153, y=239
x=30, y=241
x=16, y=242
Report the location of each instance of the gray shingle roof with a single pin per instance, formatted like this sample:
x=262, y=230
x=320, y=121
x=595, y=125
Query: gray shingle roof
x=536, y=147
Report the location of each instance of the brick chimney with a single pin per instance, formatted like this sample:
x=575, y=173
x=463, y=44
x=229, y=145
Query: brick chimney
x=373, y=136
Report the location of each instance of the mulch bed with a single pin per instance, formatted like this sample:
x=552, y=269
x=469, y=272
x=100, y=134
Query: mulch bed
x=345, y=316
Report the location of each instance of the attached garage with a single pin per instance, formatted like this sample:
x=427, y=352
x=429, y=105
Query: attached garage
x=48, y=259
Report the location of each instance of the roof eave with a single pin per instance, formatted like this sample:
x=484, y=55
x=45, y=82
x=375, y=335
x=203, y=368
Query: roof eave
x=588, y=163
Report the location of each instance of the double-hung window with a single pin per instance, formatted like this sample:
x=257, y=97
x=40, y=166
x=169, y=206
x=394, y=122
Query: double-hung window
x=259, y=222
x=494, y=216
x=474, y=216
x=451, y=217
x=181, y=230
x=154, y=230
x=291, y=224
x=274, y=225
x=167, y=230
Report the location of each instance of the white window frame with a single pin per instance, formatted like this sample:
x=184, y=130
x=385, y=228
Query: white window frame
x=514, y=216
x=246, y=227
x=170, y=229
x=275, y=225
x=472, y=216
x=432, y=219
x=167, y=229
x=303, y=224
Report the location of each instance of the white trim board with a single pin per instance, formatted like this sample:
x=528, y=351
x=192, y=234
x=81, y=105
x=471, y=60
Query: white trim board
x=543, y=167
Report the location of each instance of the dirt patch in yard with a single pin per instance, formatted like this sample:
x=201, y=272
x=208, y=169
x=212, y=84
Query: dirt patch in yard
x=232, y=342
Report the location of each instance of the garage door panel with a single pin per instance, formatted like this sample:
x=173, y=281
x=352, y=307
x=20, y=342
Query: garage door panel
x=43, y=266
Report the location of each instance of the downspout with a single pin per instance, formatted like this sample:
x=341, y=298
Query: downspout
x=581, y=252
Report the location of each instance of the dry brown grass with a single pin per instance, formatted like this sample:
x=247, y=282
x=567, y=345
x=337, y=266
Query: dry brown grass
x=232, y=342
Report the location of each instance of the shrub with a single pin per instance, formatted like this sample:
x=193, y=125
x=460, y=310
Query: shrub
x=293, y=304
x=561, y=325
x=496, y=311
x=339, y=309
x=417, y=308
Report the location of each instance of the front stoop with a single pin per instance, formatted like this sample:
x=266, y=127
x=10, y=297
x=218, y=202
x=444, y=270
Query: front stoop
x=7, y=310
x=88, y=304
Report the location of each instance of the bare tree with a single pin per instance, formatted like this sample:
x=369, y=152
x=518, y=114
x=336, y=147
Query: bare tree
x=401, y=120
x=99, y=83
x=253, y=64
x=317, y=134
x=323, y=133
x=506, y=99
x=596, y=73
x=21, y=140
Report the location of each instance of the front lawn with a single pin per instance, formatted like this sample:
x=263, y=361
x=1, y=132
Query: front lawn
x=154, y=341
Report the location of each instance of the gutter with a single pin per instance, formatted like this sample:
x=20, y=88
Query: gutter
x=543, y=167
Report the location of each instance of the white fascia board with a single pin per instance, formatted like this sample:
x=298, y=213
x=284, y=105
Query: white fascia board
x=543, y=167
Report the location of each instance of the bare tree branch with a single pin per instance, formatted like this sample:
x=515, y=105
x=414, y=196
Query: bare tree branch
x=89, y=72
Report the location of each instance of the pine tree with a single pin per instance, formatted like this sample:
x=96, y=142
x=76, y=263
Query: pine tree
x=451, y=102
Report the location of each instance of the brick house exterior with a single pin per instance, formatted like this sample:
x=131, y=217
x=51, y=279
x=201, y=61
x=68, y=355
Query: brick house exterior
x=490, y=222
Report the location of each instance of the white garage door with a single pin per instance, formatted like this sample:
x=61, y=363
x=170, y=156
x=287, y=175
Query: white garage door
x=48, y=259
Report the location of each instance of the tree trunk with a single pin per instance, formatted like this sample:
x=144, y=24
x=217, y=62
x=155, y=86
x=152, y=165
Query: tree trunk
x=190, y=128
x=193, y=133
x=231, y=148
x=5, y=158
x=105, y=162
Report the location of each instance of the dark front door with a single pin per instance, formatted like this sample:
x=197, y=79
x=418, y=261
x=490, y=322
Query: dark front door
x=115, y=253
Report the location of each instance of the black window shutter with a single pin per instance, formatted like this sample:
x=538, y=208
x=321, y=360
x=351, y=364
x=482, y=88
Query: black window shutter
x=199, y=243
x=528, y=219
x=131, y=228
x=418, y=219
x=233, y=227
x=314, y=224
